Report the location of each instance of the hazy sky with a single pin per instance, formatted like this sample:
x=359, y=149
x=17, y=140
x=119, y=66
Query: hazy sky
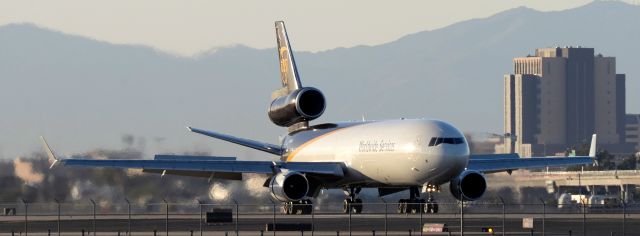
x=189, y=27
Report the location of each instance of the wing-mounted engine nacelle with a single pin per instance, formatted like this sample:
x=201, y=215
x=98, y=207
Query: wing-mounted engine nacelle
x=289, y=186
x=469, y=185
x=303, y=104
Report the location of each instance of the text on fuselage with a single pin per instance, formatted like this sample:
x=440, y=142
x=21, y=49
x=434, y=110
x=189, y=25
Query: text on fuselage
x=376, y=146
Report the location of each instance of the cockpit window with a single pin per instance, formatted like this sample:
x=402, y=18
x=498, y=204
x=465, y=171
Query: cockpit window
x=432, y=142
x=435, y=141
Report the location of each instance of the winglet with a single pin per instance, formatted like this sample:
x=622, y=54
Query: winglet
x=592, y=148
x=52, y=157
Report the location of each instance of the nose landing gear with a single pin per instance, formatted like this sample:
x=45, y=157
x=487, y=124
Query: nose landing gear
x=415, y=204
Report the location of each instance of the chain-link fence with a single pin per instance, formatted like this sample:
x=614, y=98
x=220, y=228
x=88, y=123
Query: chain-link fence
x=167, y=218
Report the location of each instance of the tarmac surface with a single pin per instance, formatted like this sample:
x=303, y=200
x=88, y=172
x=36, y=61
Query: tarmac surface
x=327, y=224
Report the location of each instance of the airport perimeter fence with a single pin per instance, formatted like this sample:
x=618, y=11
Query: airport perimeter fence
x=494, y=217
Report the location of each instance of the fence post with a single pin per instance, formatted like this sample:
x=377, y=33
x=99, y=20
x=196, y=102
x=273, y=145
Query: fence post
x=544, y=214
x=128, y=216
x=26, y=215
x=385, y=217
x=200, y=207
x=503, y=215
x=461, y=217
x=274, y=216
x=94, y=216
x=349, y=207
x=166, y=215
x=584, y=218
x=58, y=205
x=421, y=208
x=313, y=220
x=238, y=213
x=624, y=217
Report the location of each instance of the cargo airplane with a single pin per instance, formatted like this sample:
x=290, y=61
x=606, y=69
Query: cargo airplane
x=418, y=155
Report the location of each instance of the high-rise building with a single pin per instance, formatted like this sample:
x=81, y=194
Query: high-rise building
x=632, y=130
x=558, y=98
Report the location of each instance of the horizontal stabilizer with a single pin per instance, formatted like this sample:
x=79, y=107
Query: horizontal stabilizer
x=261, y=146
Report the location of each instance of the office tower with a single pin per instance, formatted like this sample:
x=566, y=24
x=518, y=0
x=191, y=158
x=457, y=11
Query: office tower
x=556, y=99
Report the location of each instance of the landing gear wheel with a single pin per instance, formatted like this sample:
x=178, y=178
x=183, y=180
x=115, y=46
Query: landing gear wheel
x=434, y=208
x=286, y=208
x=402, y=206
x=432, y=205
x=413, y=206
x=346, y=206
x=297, y=208
x=352, y=204
x=423, y=206
x=357, y=206
x=307, y=207
x=303, y=207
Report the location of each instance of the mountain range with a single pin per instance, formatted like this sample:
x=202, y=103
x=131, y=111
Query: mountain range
x=85, y=94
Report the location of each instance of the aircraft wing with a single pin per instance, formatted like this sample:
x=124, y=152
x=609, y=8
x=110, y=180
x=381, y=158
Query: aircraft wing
x=507, y=162
x=203, y=166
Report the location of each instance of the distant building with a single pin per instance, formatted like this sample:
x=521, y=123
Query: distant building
x=558, y=98
x=632, y=130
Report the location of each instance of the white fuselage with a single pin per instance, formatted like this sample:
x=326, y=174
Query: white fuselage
x=389, y=153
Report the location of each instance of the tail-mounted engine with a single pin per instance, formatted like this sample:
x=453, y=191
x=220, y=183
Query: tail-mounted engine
x=468, y=186
x=289, y=186
x=300, y=105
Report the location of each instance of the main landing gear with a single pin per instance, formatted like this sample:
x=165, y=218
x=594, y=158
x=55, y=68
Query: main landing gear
x=302, y=207
x=352, y=203
x=415, y=204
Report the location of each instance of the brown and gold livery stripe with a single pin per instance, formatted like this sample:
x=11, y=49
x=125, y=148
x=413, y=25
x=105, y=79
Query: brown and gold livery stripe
x=295, y=152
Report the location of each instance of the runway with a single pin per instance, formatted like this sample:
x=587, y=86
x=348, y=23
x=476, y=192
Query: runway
x=326, y=224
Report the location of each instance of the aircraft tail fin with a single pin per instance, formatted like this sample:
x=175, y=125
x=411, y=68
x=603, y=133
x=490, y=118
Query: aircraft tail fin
x=288, y=70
